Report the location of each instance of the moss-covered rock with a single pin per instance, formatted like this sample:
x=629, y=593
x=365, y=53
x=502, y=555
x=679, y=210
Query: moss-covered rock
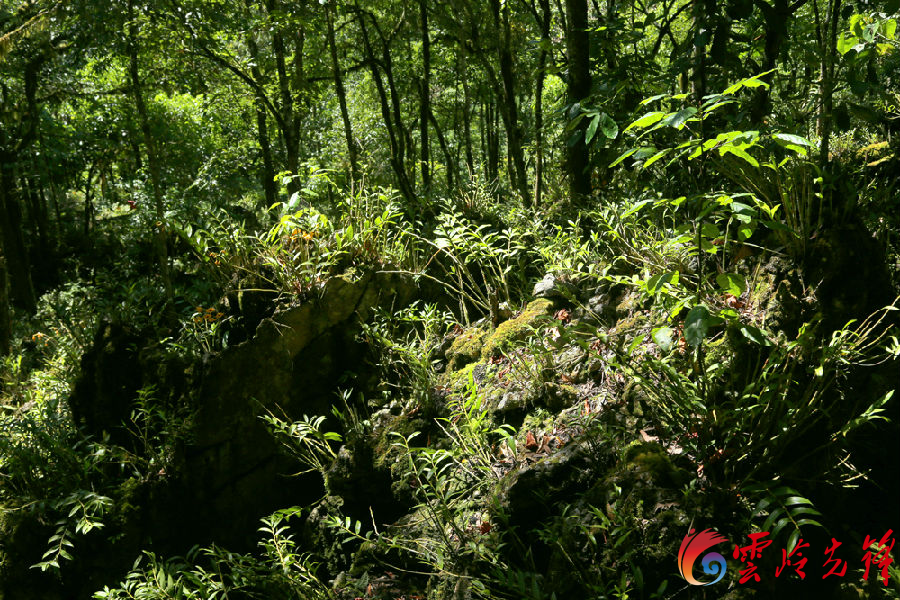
x=652, y=458
x=557, y=397
x=529, y=494
x=465, y=349
x=517, y=329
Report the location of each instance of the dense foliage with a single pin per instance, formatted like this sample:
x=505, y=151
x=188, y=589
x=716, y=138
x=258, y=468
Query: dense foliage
x=269, y=325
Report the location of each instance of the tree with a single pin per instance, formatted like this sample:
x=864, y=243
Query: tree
x=579, y=88
x=137, y=91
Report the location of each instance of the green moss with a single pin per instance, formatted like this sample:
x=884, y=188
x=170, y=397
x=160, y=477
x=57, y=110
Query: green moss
x=516, y=329
x=653, y=459
x=457, y=380
x=628, y=305
x=558, y=397
x=465, y=349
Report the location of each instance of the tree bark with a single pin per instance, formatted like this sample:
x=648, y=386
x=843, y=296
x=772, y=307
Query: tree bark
x=508, y=105
x=290, y=130
x=827, y=34
x=442, y=142
x=539, y=104
x=342, y=95
x=579, y=88
x=12, y=240
x=5, y=317
x=699, y=29
x=152, y=157
x=467, y=118
x=394, y=135
x=262, y=129
x=425, y=97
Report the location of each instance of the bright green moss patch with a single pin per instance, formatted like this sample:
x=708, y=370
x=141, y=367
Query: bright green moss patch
x=465, y=349
x=516, y=329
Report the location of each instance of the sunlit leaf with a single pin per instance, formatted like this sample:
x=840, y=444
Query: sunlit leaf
x=647, y=120
x=696, y=325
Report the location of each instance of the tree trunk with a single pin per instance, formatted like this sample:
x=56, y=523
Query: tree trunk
x=442, y=142
x=152, y=157
x=539, y=104
x=827, y=33
x=342, y=95
x=508, y=105
x=5, y=319
x=43, y=250
x=425, y=97
x=395, y=136
x=290, y=129
x=88, y=223
x=467, y=119
x=262, y=129
x=12, y=239
x=579, y=88
x=700, y=32
x=776, y=20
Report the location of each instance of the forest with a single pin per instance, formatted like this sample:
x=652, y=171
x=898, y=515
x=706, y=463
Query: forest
x=449, y=299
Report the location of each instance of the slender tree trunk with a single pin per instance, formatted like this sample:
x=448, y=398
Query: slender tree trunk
x=827, y=33
x=152, y=156
x=265, y=147
x=403, y=135
x=445, y=149
x=45, y=248
x=467, y=119
x=290, y=129
x=775, y=18
x=482, y=138
x=88, y=216
x=341, y=94
x=262, y=130
x=508, y=105
x=12, y=240
x=539, y=104
x=492, y=136
x=700, y=31
x=425, y=97
x=394, y=136
x=579, y=88
x=5, y=317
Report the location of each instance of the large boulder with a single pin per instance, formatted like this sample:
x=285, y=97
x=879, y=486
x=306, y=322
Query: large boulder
x=290, y=367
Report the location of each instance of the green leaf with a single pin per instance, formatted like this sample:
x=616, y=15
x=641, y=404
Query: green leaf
x=792, y=139
x=750, y=82
x=647, y=120
x=647, y=101
x=623, y=157
x=710, y=231
x=591, y=129
x=812, y=522
x=740, y=153
x=755, y=335
x=677, y=120
x=663, y=338
x=655, y=283
x=656, y=157
x=868, y=33
x=731, y=283
x=634, y=209
x=573, y=139
x=846, y=41
x=792, y=541
x=608, y=126
x=696, y=325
